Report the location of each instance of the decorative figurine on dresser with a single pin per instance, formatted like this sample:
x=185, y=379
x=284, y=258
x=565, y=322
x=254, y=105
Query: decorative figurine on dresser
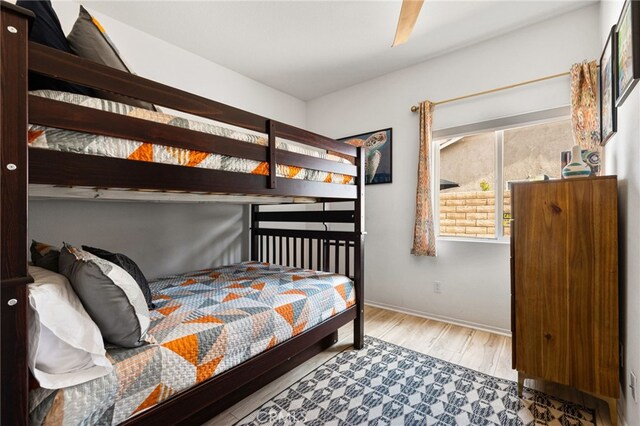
x=564, y=284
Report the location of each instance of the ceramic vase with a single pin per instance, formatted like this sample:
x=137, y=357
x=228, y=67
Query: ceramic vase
x=576, y=167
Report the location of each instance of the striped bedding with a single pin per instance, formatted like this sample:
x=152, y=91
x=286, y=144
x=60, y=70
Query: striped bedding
x=205, y=323
x=86, y=143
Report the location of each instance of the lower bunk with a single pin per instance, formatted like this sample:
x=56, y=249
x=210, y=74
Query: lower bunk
x=220, y=334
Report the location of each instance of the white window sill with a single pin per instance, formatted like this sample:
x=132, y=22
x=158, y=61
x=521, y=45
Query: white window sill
x=476, y=240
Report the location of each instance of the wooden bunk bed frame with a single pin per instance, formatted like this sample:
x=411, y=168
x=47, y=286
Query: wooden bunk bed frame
x=21, y=165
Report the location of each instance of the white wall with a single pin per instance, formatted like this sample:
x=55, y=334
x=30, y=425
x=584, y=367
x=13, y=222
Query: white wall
x=622, y=156
x=164, y=238
x=474, y=275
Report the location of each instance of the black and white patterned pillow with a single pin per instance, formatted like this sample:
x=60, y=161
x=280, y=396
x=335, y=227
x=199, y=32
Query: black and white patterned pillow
x=128, y=265
x=44, y=255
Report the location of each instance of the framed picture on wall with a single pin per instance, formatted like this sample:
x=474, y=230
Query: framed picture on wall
x=608, y=78
x=377, y=151
x=627, y=41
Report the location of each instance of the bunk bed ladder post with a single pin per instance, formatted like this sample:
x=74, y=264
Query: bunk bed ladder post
x=358, y=324
x=13, y=213
x=271, y=131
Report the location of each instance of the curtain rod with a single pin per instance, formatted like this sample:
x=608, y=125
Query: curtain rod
x=415, y=108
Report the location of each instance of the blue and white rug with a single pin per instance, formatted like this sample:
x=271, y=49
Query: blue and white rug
x=385, y=384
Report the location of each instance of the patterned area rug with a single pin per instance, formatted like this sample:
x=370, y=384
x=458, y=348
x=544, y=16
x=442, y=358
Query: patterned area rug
x=385, y=384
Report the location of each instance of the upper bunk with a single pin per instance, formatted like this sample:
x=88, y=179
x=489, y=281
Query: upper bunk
x=264, y=162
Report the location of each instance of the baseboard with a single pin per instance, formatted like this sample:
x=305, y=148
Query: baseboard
x=442, y=318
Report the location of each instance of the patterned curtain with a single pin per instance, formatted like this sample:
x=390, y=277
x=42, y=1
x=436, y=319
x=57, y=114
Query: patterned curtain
x=584, y=105
x=424, y=242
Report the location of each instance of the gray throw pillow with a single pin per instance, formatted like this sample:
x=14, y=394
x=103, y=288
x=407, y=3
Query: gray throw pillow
x=89, y=40
x=110, y=296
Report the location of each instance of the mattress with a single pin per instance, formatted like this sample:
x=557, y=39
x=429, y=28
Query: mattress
x=87, y=143
x=204, y=323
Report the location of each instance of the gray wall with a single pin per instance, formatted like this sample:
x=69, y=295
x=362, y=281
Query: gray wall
x=163, y=238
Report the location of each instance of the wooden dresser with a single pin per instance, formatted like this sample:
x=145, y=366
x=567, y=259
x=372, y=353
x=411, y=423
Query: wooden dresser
x=564, y=284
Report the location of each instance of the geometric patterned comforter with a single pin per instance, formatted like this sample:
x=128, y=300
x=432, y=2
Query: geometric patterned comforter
x=204, y=323
x=107, y=146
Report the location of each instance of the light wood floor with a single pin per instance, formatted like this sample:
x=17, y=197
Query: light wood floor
x=480, y=350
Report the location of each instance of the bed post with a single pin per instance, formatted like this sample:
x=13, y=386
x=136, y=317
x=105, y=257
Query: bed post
x=358, y=324
x=14, y=27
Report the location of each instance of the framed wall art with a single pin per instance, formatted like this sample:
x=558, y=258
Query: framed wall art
x=607, y=80
x=627, y=41
x=377, y=149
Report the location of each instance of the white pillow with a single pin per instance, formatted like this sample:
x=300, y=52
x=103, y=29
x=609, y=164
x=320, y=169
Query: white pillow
x=65, y=345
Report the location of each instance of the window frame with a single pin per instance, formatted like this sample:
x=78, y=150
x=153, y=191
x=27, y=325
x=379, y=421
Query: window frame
x=498, y=127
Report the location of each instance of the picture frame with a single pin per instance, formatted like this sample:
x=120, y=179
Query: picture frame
x=607, y=83
x=378, y=152
x=627, y=41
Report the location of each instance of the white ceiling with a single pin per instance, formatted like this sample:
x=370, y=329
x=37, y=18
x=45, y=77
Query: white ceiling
x=311, y=48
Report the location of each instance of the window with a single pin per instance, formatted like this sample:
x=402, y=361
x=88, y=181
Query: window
x=475, y=171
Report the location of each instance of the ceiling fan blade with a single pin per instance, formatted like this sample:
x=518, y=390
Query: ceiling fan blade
x=408, y=17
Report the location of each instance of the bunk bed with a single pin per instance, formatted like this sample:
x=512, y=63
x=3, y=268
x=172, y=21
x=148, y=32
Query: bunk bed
x=54, y=173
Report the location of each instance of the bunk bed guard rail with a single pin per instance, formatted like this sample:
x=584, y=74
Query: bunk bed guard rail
x=52, y=113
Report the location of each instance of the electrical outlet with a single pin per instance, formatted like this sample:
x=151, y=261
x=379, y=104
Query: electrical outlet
x=632, y=385
x=437, y=287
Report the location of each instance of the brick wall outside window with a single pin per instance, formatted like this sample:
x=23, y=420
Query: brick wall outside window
x=470, y=214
